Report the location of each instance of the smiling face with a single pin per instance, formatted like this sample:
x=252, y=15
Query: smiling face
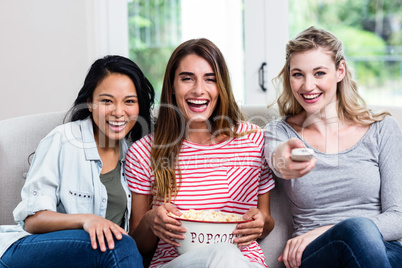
x=195, y=90
x=114, y=109
x=314, y=78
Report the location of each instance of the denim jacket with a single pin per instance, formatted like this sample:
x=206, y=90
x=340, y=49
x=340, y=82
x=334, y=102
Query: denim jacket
x=64, y=177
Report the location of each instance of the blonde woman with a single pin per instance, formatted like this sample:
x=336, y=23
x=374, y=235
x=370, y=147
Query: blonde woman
x=346, y=201
x=202, y=156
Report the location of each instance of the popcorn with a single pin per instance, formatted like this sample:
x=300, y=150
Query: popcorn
x=209, y=215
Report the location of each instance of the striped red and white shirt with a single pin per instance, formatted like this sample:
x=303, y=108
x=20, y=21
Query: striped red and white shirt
x=227, y=177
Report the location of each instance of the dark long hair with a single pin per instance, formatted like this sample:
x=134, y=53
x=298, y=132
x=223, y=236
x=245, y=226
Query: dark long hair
x=99, y=70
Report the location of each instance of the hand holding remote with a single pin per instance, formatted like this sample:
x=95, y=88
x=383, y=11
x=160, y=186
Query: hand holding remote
x=293, y=165
x=302, y=154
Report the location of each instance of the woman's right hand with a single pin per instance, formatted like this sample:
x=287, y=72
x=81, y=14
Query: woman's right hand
x=165, y=227
x=283, y=163
x=101, y=229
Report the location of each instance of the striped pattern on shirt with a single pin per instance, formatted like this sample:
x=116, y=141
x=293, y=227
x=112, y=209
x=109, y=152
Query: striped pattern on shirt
x=227, y=177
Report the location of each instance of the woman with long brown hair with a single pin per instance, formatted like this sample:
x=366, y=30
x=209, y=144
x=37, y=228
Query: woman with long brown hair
x=201, y=156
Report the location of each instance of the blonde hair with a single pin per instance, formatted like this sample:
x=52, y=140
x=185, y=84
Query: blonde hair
x=170, y=124
x=351, y=106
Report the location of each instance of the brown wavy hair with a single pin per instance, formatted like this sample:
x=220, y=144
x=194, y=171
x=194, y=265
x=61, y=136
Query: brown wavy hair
x=170, y=124
x=351, y=106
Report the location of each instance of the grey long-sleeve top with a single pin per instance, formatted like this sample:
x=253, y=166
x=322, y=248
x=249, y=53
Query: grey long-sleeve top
x=362, y=181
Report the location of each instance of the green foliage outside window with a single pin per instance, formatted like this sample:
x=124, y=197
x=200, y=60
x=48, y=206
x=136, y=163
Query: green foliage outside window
x=154, y=32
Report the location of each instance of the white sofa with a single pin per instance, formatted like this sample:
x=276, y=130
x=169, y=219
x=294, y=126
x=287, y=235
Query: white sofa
x=20, y=136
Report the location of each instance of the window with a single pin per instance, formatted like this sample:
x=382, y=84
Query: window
x=253, y=32
x=157, y=27
x=154, y=32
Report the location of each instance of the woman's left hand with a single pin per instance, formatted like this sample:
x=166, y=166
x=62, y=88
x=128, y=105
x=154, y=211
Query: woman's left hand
x=249, y=232
x=292, y=254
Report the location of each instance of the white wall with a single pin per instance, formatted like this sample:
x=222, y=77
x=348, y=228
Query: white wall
x=222, y=23
x=47, y=46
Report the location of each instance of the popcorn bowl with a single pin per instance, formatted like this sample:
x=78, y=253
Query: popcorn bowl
x=202, y=233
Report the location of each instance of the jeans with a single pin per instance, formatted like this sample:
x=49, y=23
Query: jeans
x=355, y=242
x=69, y=248
x=217, y=255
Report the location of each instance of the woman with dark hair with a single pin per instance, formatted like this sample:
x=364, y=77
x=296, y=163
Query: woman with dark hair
x=119, y=65
x=76, y=204
x=346, y=201
x=201, y=156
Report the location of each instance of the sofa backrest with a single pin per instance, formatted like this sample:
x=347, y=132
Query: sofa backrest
x=19, y=138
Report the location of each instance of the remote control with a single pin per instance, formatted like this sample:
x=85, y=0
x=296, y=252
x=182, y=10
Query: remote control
x=302, y=154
